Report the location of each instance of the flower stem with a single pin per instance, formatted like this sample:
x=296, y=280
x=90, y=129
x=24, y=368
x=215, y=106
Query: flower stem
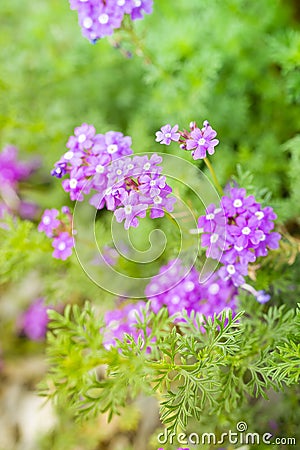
x=214, y=177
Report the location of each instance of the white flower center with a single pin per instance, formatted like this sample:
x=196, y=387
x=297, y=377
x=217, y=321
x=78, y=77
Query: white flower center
x=73, y=183
x=87, y=22
x=147, y=166
x=230, y=269
x=238, y=249
x=189, y=286
x=237, y=203
x=157, y=200
x=81, y=138
x=128, y=209
x=154, y=287
x=263, y=238
x=119, y=172
x=69, y=155
x=152, y=183
x=260, y=215
x=246, y=231
x=175, y=299
x=132, y=314
x=61, y=246
x=112, y=148
x=130, y=166
x=46, y=220
x=201, y=141
x=121, y=2
x=214, y=237
x=137, y=3
x=214, y=288
x=168, y=135
x=103, y=18
x=99, y=168
x=210, y=216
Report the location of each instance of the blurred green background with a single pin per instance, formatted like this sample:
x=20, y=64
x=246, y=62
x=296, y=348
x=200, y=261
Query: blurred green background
x=234, y=62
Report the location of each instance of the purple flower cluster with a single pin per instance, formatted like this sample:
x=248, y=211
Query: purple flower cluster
x=178, y=290
x=99, y=18
x=121, y=321
x=12, y=171
x=237, y=233
x=199, y=140
x=35, y=320
x=58, y=226
x=129, y=186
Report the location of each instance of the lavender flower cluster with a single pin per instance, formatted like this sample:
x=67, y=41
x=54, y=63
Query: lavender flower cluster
x=129, y=186
x=238, y=232
x=12, y=171
x=58, y=225
x=99, y=18
x=198, y=140
x=176, y=289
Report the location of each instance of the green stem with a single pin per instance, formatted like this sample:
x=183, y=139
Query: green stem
x=214, y=176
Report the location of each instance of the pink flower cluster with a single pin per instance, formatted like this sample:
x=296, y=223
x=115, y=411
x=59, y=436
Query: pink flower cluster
x=199, y=140
x=58, y=225
x=129, y=186
x=238, y=232
x=99, y=18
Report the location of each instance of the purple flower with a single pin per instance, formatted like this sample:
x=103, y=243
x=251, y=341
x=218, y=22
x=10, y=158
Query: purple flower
x=140, y=6
x=167, y=134
x=83, y=138
x=161, y=203
x=238, y=203
x=11, y=169
x=35, y=320
x=202, y=141
x=49, y=222
x=60, y=170
x=262, y=297
x=131, y=209
x=121, y=321
x=151, y=185
x=77, y=184
x=63, y=245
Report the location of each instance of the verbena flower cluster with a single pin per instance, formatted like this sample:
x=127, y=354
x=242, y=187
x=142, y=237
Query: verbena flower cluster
x=12, y=171
x=177, y=289
x=58, y=226
x=34, y=321
x=129, y=186
x=99, y=18
x=199, y=140
x=237, y=232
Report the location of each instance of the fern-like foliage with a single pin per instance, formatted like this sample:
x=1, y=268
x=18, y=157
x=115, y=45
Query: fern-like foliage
x=211, y=364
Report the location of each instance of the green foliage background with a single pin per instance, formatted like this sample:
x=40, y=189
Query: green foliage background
x=233, y=62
